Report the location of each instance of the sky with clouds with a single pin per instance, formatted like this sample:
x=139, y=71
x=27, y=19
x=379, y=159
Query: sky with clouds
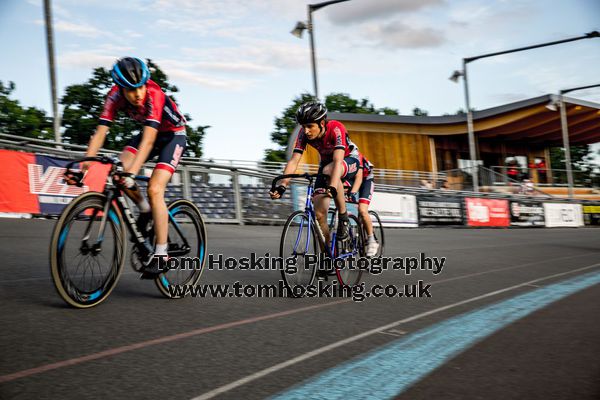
x=237, y=65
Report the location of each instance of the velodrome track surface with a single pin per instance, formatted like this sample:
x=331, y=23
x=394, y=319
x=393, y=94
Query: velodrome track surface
x=462, y=343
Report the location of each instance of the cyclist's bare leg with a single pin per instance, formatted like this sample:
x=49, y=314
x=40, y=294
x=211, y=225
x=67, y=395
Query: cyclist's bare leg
x=340, y=201
x=156, y=193
x=363, y=211
x=135, y=195
x=321, y=203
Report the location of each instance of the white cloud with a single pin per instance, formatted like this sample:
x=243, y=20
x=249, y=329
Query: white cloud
x=86, y=59
x=364, y=10
x=399, y=35
x=254, y=56
x=78, y=29
x=174, y=70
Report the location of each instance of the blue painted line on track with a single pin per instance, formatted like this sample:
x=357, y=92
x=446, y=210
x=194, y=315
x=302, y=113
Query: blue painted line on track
x=389, y=370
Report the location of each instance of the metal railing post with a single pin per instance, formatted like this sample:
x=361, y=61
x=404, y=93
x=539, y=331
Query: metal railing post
x=237, y=197
x=186, y=182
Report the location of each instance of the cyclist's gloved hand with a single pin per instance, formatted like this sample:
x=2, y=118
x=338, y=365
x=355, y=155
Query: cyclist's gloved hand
x=353, y=197
x=126, y=180
x=331, y=191
x=74, y=178
x=277, y=192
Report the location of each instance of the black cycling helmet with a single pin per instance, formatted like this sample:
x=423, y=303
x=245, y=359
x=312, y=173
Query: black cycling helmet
x=311, y=112
x=130, y=72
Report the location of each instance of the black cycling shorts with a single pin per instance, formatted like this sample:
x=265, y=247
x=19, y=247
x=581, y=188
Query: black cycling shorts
x=351, y=166
x=169, y=147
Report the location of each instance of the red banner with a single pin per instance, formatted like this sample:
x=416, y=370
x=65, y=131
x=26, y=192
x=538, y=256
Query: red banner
x=487, y=212
x=34, y=184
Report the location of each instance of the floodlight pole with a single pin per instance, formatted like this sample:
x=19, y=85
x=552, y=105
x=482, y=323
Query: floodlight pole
x=52, y=70
x=471, y=131
x=310, y=27
x=470, y=128
x=565, y=134
x=312, y=53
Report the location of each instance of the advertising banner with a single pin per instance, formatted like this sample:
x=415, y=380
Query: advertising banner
x=34, y=183
x=563, y=215
x=396, y=210
x=440, y=210
x=591, y=214
x=487, y=212
x=526, y=213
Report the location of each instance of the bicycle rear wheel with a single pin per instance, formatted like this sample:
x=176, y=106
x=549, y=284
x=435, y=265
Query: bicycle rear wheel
x=86, y=260
x=298, y=240
x=187, y=248
x=377, y=231
x=346, y=268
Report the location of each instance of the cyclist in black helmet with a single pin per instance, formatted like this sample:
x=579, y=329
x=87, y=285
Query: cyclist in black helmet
x=339, y=159
x=163, y=135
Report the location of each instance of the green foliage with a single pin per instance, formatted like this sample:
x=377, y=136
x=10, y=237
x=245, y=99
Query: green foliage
x=417, y=112
x=83, y=105
x=335, y=102
x=17, y=120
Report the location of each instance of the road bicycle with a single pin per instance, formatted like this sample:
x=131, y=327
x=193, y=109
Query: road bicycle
x=377, y=229
x=88, y=246
x=302, y=236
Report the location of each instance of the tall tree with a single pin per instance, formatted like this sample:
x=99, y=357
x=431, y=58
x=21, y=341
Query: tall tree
x=17, y=120
x=582, y=161
x=83, y=104
x=335, y=102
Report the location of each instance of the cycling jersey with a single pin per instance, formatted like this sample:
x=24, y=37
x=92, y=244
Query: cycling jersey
x=367, y=167
x=336, y=137
x=158, y=110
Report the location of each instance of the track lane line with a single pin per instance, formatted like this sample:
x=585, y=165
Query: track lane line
x=303, y=357
x=201, y=331
x=159, y=340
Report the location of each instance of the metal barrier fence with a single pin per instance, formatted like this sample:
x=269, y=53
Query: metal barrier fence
x=235, y=193
x=548, y=177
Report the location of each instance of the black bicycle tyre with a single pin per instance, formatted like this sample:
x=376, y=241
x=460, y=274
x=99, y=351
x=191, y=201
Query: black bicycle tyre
x=379, y=236
x=283, y=254
x=358, y=244
x=65, y=290
x=186, y=206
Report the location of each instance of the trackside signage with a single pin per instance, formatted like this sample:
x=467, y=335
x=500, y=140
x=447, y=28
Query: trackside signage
x=591, y=214
x=526, y=213
x=396, y=210
x=34, y=184
x=440, y=210
x=487, y=212
x=563, y=214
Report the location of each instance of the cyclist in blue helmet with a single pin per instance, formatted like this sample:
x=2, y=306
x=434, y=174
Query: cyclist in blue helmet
x=163, y=135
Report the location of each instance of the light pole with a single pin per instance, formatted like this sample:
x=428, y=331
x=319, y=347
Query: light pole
x=299, y=29
x=52, y=70
x=565, y=131
x=463, y=73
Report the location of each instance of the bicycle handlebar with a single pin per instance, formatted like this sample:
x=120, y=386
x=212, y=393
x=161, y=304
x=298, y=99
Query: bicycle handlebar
x=80, y=175
x=101, y=159
x=306, y=176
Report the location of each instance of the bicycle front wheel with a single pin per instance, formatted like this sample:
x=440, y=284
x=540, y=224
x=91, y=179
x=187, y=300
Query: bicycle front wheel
x=87, y=251
x=298, y=241
x=187, y=248
x=346, y=267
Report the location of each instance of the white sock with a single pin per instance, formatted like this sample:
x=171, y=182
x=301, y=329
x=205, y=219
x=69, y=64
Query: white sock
x=371, y=238
x=144, y=206
x=161, y=249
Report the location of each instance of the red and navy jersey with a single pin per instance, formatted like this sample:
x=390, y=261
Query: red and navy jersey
x=366, y=166
x=158, y=110
x=336, y=137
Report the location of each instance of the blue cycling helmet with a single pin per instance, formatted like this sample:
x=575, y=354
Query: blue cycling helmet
x=130, y=72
